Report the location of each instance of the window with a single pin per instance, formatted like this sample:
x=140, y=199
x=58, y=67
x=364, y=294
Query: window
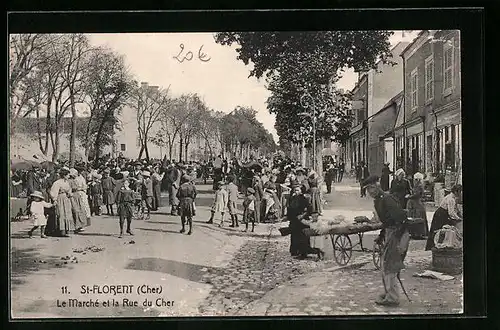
x=448, y=65
x=429, y=78
x=122, y=147
x=414, y=89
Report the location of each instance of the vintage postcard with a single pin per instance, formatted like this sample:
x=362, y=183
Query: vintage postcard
x=235, y=174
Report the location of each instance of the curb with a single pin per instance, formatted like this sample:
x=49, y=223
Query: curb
x=236, y=232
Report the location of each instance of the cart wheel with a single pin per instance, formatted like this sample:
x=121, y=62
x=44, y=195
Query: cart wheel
x=342, y=249
x=377, y=255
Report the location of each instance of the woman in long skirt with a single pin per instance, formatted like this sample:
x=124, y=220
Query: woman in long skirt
x=78, y=203
x=157, y=179
x=416, y=209
x=448, y=213
x=61, y=194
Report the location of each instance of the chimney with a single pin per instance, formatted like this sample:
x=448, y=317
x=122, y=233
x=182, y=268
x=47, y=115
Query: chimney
x=144, y=84
x=154, y=88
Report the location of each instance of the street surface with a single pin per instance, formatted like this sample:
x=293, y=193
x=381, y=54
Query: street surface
x=215, y=271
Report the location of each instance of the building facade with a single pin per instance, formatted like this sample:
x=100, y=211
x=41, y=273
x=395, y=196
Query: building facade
x=429, y=133
x=128, y=144
x=380, y=140
x=374, y=89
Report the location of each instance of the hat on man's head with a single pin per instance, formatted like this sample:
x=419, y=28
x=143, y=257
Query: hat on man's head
x=146, y=174
x=251, y=190
x=371, y=180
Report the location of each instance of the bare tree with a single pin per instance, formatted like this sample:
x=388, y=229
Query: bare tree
x=191, y=126
x=26, y=52
x=149, y=102
x=107, y=85
x=73, y=61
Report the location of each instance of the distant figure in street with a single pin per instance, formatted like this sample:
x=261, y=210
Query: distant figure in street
x=329, y=178
x=364, y=174
x=394, y=238
x=259, y=194
x=358, y=172
x=220, y=203
x=186, y=196
x=157, y=179
x=125, y=201
x=108, y=192
x=249, y=209
x=400, y=187
x=448, y=213
x=384, y=178
x=173, y=178
x=232, y=190
x=416, y=209
x=341, y=170
x=147, y=192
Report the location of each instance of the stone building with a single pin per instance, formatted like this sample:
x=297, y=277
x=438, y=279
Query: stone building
x=428, y=133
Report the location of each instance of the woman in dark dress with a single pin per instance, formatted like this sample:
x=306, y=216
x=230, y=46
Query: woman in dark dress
x=314, y=191
x=384, y=179
x=298, y=209
x=400, y=187
x=447, y=214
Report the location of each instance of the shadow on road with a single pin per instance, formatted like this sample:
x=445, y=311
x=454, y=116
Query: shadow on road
x=164, y=222
x=25, y=262
x=160, y=230
x=188, y=271
x=95, y=234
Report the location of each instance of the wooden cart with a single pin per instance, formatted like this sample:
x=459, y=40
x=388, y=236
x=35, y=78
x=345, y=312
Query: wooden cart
x=342, y=243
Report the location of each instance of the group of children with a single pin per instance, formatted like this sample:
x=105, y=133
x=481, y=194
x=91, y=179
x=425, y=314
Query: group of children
x=226, y=197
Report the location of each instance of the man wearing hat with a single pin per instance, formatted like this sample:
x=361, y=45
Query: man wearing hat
x=186, y=196
x=395, y=238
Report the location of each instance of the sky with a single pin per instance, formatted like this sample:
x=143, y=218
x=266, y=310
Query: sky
x=221, y=80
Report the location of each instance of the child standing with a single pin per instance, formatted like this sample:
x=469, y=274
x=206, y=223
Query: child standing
x=125, y=200
x=220, y=203
x=249, y=209
x=37, y=211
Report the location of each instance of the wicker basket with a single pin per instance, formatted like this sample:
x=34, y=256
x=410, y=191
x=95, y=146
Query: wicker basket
x=448, y=261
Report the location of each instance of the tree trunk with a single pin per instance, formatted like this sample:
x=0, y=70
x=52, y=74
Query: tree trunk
x=55, y=153
x=186, y=147
x=181, y=139
x=146, y=149
x=72, y=139
x=170, y=147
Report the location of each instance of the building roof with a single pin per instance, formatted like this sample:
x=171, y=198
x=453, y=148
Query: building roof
x=413, y=42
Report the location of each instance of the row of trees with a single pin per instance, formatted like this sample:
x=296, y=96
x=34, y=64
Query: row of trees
x=298, y=63
x=53, y=77
x=188, y=118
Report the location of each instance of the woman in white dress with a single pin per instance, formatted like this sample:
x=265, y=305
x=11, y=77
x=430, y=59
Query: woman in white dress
x=61, y=195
